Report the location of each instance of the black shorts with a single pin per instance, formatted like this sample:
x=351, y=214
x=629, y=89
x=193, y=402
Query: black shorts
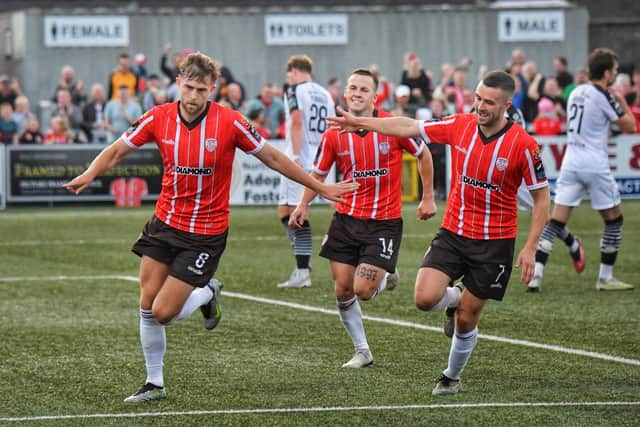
x=354, y=241
x=192, y=258
x=485, y=264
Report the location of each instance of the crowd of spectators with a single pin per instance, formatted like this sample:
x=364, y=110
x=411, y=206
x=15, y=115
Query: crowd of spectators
x=73, y=116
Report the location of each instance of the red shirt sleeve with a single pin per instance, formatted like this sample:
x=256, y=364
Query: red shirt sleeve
x=412, y=146
x=532, y=167
x=142, y=131
x=246, y=137
x=326, y=154
x=438, y=131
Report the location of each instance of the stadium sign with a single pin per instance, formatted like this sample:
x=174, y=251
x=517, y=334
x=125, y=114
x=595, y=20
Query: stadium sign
x=531, y=26
x=86, y=31
x=38, y=172
x=306, y=29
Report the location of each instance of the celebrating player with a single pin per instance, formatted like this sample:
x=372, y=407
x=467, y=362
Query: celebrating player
x=182, y=243
x=363, y=240
x=490, y=156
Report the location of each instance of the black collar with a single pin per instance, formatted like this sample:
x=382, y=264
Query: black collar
x=362, y=133
x=486, y=140
x=197, y=120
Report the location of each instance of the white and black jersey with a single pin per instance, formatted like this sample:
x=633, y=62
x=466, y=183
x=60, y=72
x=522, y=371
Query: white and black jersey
x=590, y=111
x=316, y=104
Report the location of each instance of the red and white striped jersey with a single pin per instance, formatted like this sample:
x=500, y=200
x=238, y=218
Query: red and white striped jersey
x=198, y=159
x=485, y=175
x=375, y=162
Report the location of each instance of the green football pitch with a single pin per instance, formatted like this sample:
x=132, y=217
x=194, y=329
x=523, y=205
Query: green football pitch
x=69, y=349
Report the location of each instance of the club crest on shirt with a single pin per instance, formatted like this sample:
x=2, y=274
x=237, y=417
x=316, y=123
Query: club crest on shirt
x=210, y=144
x=502, y=163
x=384, y=147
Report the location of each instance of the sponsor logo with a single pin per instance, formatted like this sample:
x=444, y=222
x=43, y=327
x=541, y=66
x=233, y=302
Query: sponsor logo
x=344, y=153
x=384, y=147
x=370, y=173
x=252, y=130
x=502, y=163
x=540, y=173
x=183, y=170
x=168, y=141
x=195, y=270
x=480, y=184
x=210, y=144
x=496, y=285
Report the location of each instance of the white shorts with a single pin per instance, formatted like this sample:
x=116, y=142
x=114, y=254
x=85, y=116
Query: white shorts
x=290, y=192
x=572, y=186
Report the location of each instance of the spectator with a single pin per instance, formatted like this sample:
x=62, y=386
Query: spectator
x=122, y=76
x=93, y=123
x=416, y=79
x=31, y=134
x=634, y=103
x=121, y=113
x=8, y=128
x=9, y=90
x=547, y=123
x=458, y=88
x=554, y=93
x=65, y=108
x=22, y=112
x=226, y=78
x=335, y=89
x=563, y=76
x=140, y=70
x=67, y=81
x=172, y=72
x=233, y=99
x=582, y=77
x=383, y=94
x=623, y=84
x=256, y=118
x=403, y=105
x=521, y=86
x=517, y=58
x=59, y=132
x=153, y=86
x=535, y=89
x=272, y=107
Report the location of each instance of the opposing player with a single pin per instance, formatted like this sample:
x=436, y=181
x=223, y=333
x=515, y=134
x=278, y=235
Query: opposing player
x=182, y=243
x=307, y=104
x=364, y=238
x=585, y=167
x=490, y=157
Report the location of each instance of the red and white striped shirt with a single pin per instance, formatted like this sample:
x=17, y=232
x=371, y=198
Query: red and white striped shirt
x=485, y=175
x=375, y=162
x=198, y=159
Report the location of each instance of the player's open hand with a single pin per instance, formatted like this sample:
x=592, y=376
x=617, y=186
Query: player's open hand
x=334, y=192
x=299, y=215
x=346, y=122
x=526, y=262
x=426, y=209
x=78, y=184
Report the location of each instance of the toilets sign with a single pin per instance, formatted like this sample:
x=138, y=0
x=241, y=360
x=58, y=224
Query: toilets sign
x=306, y=29
x=531, y=26
x=86, y=31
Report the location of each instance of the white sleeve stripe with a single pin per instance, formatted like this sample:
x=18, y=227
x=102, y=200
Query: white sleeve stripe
x=418, y=147
x=128, y=142
x=246, y=132
x=320, y=171
x=423, y=133
x=426, y=123
x=139, y=128
x=532, y=170
x=538, y=185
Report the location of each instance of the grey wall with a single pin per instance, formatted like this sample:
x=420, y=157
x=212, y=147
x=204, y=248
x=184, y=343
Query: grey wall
x=436, y=35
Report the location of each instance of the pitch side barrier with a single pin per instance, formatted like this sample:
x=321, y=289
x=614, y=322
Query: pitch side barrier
x=624, y=159
x=36, y=173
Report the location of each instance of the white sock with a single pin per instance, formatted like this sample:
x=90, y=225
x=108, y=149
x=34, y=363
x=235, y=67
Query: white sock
x=198, y=297
x=154, y=344
x=606, y=271
x=538, y=269
x=351, y=316
x=450, y=299
x=381, y=287
x=461, y=347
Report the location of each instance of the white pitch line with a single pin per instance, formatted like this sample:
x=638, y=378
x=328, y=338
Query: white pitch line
x=333, y=312
x=324, y=409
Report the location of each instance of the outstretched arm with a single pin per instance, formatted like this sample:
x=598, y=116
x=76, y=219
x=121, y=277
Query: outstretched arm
x=104, y=161
x=277, y=160
x=403, y=127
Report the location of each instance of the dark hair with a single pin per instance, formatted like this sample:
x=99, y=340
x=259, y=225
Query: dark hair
x=367, y=73
x=601, y=60
x=300, y=62
x=254, y=113
x=124, y=55
x=500, y=80
x=197, y=66
x=562, y=60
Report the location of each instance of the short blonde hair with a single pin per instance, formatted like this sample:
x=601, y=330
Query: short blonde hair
x=300, y=62
x=197, y=66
